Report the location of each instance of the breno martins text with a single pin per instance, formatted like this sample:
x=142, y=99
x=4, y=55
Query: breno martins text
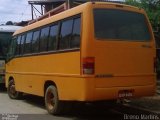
x=141, y=117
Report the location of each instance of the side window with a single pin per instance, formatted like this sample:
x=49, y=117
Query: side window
x=35, y=41
x=22, y=44
x=52, y=42
x=65, y=34
x=44, y=39
x=75, y=42
x=12, y=48
x=18, y=41
x=28, y=42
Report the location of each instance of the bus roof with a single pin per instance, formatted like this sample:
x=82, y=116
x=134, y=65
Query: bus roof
x=9, y=28
x=69, y=13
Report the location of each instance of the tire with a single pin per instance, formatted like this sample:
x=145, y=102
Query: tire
x=52, y=103
x=12, y=93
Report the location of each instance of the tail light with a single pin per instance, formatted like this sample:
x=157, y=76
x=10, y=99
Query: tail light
x=88, y=65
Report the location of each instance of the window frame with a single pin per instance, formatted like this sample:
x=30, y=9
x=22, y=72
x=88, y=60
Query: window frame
x=41, y=28
x=112, y=39
x=17, y=53
x=65, y=19
x=78, y=17
x=24, y=51
x=12, y=49
x=60, y=37
x=57, y=50
x=57, y=35
x=35, y=30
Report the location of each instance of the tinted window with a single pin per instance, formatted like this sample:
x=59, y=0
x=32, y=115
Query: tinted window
x=22, y=44
x=28, y=42
x=119, y=24
x=12, y=48
x=44, y=39
x=18, y=42
x=35, y=41
x=65, y=34
x=5, y=39
x=52, y=43
x=75, y=42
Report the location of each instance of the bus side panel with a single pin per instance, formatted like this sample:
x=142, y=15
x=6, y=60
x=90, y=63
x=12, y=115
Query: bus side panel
x=30, y=73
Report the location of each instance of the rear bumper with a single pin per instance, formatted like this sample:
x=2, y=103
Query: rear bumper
x=109, y=88
x=113, y=93
x=92, y=89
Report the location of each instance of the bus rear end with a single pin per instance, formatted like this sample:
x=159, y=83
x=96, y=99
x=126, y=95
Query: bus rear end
x=119, y=55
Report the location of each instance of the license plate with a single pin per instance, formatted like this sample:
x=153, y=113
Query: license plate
x=125, y=93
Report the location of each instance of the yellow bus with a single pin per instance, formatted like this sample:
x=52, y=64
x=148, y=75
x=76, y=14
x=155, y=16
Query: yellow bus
x=96, y=51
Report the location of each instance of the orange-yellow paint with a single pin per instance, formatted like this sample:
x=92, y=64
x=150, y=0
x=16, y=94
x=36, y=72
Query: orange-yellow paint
x=119, y=65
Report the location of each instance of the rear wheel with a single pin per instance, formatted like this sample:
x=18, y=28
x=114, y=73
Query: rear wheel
x=53, y=104
x=12, y=93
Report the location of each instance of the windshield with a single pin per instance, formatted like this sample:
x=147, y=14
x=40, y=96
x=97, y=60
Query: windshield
x=5, y=38
x=120, y=25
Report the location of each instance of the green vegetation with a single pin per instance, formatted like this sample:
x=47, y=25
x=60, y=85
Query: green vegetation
x=152, y=7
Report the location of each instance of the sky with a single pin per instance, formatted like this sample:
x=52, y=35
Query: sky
x=15, y=11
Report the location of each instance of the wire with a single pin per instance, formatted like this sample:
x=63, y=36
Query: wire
x=23, y=13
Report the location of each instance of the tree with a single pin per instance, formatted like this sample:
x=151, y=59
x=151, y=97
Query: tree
x=152, y=7
x=9, y=23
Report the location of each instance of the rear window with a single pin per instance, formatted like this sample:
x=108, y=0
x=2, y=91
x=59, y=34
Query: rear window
x=120, y=25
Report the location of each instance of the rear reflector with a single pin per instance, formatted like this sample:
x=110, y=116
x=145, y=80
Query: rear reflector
x=88, y=65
